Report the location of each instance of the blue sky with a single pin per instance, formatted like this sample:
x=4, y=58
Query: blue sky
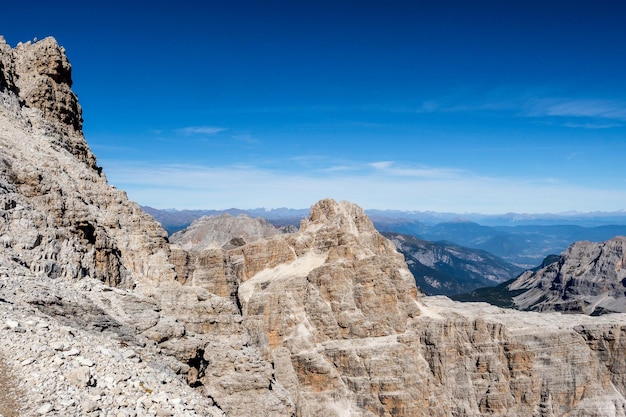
x=485, y=106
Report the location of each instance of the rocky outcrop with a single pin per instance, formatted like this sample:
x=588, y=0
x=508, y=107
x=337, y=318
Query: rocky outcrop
x=588, y=278
x=60, y=217
x=76, y=349
x=100, y=315
x=225, y=231
x=63, y=224
x=199, y=251
x=40, y=76
x=491, y=361
x=337, y=351
x=337, y=277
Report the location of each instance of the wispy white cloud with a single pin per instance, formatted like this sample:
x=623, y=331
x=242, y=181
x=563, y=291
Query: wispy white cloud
x=495, y=106
x=393, y=169
x=381, y=164
x=578, y=108
x=475, y=100
x=591, y=125
x=200, y=130
x=340, y=168
x=585, y=113
x=376, y=185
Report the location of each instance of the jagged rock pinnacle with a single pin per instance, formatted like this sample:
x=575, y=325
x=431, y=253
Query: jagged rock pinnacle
x=40, y=76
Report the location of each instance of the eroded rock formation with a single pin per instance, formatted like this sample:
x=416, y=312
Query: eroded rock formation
x=225, y=231
x=100, y=315
x=588, y=278
x=64, y=225
x=432, y=357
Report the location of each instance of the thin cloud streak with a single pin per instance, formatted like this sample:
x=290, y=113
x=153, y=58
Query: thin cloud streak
x=589, y=113
x=392, y=169
x=585, y=108
x=592, y=125
x=200, y=130
x=244, y=186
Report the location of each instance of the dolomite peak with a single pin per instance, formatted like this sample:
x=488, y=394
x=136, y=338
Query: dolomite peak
x=61, y=217
x=40, y=76
x=223, y=231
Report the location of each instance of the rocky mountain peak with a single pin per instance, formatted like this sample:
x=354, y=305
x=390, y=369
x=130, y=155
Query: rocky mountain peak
x=43, y=77
x=344, y=228
x=225, y=231
x=343, y=215
x=61, y=218
x=39, y=75
x=588, y=278
x=329, y=211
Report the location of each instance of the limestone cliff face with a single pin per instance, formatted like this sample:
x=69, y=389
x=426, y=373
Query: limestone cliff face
x=100, y=315
x=61, y=218
x=345, y=286
x=40, y=76
x=589, y=278
x=64, y=225
x=358, y=283
x=336, y=278
x=337, y=315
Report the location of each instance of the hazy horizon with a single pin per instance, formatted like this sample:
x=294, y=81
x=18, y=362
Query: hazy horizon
x=465, y=107
x=269, y=209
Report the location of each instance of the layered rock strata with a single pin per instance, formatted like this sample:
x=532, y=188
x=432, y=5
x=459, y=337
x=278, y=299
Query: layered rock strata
x=100, y=315
x=308, y=314
x=588, y=278
x=64, y=225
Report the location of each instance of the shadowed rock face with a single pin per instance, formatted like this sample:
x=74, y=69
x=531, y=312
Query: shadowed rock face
x=589, y=278
x=99, y=314
x=446, y=269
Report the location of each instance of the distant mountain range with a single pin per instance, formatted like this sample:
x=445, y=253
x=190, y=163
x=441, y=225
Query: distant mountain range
x=439, y=268
x=589, y=219
x=521, y=239
x=523, y=245
x=179, y=219
x=174, y=220
x=500, y=295
x=480, y=262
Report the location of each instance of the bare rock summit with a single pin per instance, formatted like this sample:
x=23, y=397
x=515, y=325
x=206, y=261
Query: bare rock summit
x=225, y=231
x=40, y=75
